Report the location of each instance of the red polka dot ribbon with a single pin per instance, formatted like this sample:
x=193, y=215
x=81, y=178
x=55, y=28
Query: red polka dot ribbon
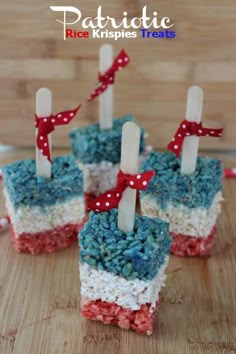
x=229, y=172
x=108, y=77
x=4, y=222
x=187, y=128
x=46, y=125
x=111, y=198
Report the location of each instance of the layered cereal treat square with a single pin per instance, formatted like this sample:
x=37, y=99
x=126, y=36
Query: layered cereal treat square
x=190, y=203
x=45, y=214
x=122, y=273
x=97, y=153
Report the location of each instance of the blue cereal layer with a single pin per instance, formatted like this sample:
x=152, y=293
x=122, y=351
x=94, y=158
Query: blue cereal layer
x=91, y=145
x=26, y=189
x=137, y=254
x=168, y=185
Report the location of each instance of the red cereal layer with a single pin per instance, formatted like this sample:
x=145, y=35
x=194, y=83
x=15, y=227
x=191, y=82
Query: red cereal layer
x=184, y=245
x=140, y=320
x=47, y=241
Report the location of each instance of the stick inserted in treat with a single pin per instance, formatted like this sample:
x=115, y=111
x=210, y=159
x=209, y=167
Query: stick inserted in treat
x=129, y=164
x=190, y=144
x=43, y=109
x=106, y=98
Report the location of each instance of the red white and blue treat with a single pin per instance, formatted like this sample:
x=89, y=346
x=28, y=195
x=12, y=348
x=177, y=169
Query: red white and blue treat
x=190, y=203
x=122, y=273
x=45, y=214
x=97, y=153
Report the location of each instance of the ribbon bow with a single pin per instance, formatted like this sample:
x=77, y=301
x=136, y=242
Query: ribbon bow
x=46, y=125
x=187, y=128
x=108, y=77
x=111, y=198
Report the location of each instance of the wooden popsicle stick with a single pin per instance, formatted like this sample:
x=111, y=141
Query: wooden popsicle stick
x=129, y=164
x=43, y=109
x=190, y=144
x=106, y=98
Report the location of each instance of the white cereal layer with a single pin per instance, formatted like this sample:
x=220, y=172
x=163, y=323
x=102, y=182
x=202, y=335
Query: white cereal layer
x=34, y=219
x=183, y=220
x=97, y=284
x=99, y=177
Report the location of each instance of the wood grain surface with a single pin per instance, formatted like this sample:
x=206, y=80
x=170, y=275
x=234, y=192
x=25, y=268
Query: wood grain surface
x=40, y=301
x=154, y=85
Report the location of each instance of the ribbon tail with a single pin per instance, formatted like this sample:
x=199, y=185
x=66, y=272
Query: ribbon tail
x=43, y=146
x=140, y=181
x=106, y=201
x=77, y=108
x=146, y=176
x=176, y=143
x=171, y=147
x=123, y=56
x=74, y=112
x=97, y=91
x=214, y=133
x=65, y=117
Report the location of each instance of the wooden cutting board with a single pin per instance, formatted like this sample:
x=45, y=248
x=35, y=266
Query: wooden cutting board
x=40, y=301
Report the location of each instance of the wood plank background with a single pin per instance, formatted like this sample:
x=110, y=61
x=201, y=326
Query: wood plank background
x=40, y=301
x=153, y=87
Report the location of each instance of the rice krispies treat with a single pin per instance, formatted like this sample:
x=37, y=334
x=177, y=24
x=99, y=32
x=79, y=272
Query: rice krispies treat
x=190, y=203
x=121, y=273
x=97, y=153
x=45, y=214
